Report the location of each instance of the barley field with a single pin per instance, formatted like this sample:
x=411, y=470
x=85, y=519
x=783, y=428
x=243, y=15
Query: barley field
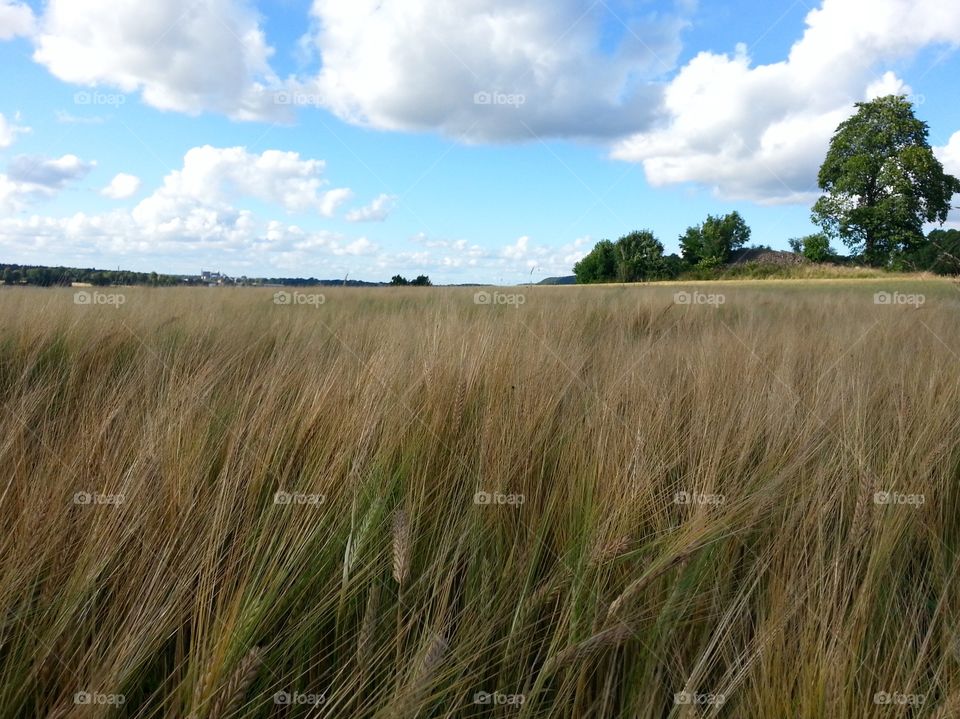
x=728, y=500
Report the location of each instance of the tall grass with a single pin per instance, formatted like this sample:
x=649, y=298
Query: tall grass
x=804, y=271
x=598, y=503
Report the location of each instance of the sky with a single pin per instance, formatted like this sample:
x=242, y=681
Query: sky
x=490, y=141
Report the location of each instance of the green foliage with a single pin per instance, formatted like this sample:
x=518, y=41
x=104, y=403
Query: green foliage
x=673, y=265
x=637, y=257
x=940, y=254
x=882, y=182
x=710, y=263
x=598, y=266
x=815, y=248
x=418, y=281
x=712, y=243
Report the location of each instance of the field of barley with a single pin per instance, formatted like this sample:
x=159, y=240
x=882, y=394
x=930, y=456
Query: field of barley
x=730, y=500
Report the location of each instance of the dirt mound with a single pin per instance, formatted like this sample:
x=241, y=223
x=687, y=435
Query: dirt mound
x=766, y=256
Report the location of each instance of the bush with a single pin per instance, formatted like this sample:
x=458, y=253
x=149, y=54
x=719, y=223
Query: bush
x=714, y=240
x=815, y=248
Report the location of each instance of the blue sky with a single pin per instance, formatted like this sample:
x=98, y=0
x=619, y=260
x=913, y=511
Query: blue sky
x=489, y=141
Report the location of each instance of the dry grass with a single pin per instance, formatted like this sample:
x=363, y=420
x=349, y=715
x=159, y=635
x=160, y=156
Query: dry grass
x=383, y=588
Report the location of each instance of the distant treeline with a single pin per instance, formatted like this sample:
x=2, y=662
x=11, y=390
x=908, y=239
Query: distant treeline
x=51, y=276
x=41, y=276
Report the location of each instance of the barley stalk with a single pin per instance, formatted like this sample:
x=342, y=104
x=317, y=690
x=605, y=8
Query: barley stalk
x=231, y=696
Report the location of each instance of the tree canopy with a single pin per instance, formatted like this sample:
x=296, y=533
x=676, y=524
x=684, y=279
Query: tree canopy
x=635, y=257
x=882, y=182
x=713, y=241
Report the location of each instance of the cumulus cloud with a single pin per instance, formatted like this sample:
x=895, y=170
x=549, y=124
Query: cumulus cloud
x=949, y=155
x=9, y=131
x=195, y=211
x=202, y=192
x=121, y=187
x=519, y=261
x=35, y=178
x=185, y=55
x=377, y=211
x=238, y=241
x=481, y=70
x=16, y=18
x=758, y=132
x=493, y=69
x=46, y=172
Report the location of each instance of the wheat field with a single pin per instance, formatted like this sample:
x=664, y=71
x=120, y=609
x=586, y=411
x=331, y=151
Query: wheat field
x=562, y=502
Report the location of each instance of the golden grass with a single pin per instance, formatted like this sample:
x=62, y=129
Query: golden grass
x=599, y=503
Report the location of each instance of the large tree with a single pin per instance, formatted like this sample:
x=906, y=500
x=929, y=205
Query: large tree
x=714, y=240
x=882, y=182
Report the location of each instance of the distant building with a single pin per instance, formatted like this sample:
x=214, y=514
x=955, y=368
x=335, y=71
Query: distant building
x=214, y=279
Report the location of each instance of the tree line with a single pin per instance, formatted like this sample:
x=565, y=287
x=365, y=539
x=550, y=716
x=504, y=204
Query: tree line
x=881, y=184
x=418, y=281
x=640, y=257
x=65, y=276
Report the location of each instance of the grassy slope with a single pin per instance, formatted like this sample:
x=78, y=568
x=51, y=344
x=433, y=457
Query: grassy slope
x=793, y=594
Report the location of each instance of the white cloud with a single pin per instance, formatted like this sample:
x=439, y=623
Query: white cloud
x=330, y=201
x=419, y=64
x=185, y=55
x=50, y=173
x=377, y=211
x=520, y=261
x=16, y=18
x=9, y=131
x=121, y=187
x=202, y=192
x=518, y=250
x=760, y=132
x=193, y=214
x=949, y=155
x=29, y=179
